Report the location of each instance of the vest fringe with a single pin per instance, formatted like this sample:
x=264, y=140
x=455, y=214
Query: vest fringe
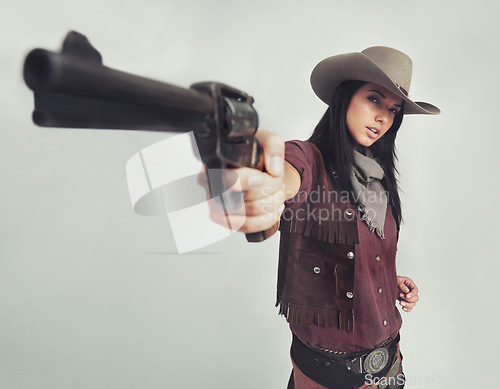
x=303, y=315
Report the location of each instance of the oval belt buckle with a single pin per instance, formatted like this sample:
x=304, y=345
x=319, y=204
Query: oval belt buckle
x=376, y=360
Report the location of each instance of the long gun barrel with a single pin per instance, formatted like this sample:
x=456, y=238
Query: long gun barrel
x=73, y=89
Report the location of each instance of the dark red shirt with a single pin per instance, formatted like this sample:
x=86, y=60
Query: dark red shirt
x=376, y=316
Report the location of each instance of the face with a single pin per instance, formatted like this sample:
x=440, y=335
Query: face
x=371, y=113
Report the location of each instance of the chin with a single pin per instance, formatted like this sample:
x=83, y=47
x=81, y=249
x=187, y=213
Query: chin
x=368, y=143
x=365, y=142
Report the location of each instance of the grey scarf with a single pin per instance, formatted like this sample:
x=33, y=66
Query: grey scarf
x=369, y=191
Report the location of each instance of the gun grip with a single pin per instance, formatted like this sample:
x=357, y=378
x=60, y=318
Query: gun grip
x=258, y=163
x=262, y=235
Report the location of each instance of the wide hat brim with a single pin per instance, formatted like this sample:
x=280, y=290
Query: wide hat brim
x=332, y=71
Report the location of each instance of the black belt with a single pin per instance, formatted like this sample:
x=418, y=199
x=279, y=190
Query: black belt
x=366, y=363
x=343, y=370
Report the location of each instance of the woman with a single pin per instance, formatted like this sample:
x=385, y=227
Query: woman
x=337, y=281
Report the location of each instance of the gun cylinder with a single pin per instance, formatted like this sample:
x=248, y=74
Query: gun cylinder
x=241, y=119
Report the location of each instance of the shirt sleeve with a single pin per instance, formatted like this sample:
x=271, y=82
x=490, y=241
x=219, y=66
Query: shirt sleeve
x=299, y=155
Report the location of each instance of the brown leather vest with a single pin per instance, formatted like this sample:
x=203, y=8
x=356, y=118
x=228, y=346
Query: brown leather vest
x=317, y=247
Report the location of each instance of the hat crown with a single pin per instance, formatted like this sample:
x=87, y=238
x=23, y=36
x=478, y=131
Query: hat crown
x=396, y=64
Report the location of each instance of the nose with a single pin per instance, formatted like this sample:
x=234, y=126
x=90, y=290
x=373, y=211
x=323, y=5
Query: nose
x=382, y=116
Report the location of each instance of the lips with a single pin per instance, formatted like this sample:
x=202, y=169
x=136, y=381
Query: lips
x=373, y=132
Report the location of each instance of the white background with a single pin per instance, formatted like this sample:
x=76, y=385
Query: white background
x=95, y=296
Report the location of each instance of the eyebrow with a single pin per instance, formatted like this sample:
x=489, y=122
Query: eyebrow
x=383, y=96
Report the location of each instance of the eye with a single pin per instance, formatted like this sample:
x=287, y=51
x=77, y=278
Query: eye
x=394, y=111
x=373, y=99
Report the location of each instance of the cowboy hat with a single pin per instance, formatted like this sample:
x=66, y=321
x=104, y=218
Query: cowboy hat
x=380, y=65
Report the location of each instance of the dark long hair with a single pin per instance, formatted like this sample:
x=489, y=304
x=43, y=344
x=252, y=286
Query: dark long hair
x=335, y=142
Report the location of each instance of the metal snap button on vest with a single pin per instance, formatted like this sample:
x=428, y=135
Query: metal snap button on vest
x=350, y=255
x=316, y=269
x=384, y=322
x=349, y=295
x=349, y=212
x=377, y=258
x=379, y=290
